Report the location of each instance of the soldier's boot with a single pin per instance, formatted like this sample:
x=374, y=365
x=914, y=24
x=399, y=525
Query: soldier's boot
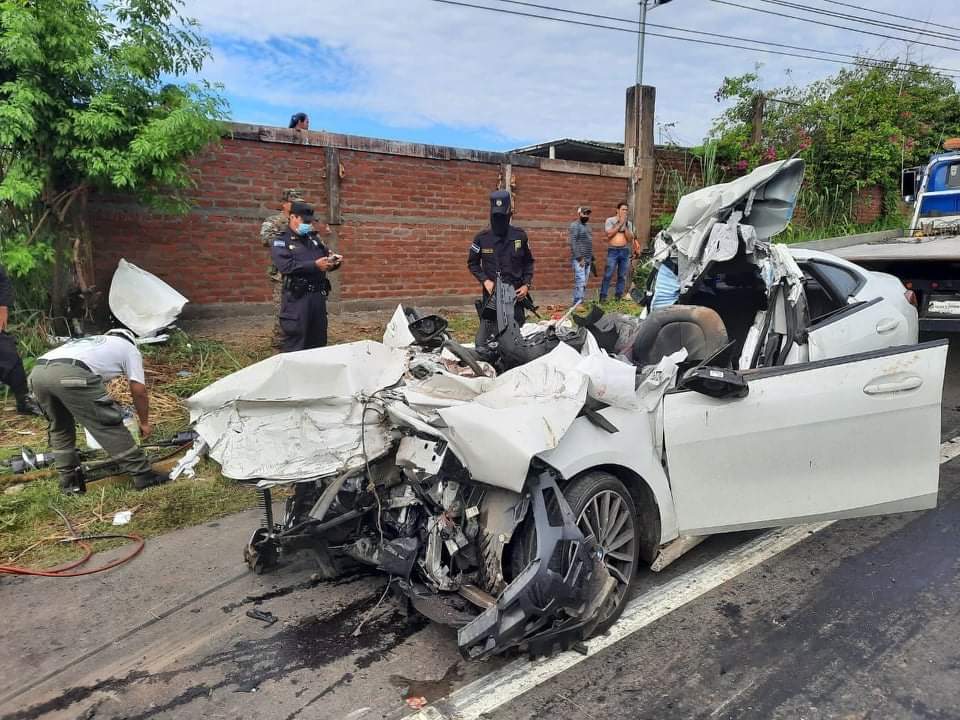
x=27, y=406
x=149, y=479
x=72, y=482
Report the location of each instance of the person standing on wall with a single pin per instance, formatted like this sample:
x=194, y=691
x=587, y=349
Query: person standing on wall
x=580, y=237
x=304, y=261
x=299, y=121
x=11, y=367
x=621, y=237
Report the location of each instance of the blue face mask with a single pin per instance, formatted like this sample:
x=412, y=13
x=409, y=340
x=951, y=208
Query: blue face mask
x=304, y=229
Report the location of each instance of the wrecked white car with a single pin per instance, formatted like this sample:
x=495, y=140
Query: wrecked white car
x=518, y=506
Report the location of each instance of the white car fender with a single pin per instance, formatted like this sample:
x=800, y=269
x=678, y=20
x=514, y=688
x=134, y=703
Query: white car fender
x=586, y=446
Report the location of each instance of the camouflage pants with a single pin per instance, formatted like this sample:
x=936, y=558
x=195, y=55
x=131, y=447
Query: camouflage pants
x=277, y=338
x=70, y=394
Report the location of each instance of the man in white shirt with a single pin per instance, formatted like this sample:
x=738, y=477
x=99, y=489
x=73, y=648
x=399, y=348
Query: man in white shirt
x=68, y=383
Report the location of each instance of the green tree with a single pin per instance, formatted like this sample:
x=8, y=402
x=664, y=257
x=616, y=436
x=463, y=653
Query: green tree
x=87, y=104
x=856, y=128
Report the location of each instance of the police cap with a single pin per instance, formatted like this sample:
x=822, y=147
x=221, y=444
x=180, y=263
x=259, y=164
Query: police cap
x=302, y=210
x=500, y=202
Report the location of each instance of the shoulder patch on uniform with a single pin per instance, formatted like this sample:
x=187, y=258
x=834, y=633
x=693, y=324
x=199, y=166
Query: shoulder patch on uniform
x=475, y=248
x=278, y=243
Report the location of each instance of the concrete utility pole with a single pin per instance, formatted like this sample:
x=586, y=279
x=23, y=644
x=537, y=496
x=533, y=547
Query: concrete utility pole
x=638, y=152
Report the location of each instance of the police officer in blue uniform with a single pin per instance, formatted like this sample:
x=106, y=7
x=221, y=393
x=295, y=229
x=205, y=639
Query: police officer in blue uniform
x=304, y=262
x=501, y=249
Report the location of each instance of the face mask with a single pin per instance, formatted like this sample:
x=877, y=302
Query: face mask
x=500, y=223
x=584, y=220
x=304, y=229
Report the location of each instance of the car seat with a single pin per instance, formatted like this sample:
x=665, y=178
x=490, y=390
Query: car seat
x=698, y=329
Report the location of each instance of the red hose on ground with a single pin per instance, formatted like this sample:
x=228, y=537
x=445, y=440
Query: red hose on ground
x=88, y=553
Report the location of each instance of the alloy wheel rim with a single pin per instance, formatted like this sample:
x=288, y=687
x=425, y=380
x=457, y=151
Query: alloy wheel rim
x=608, y=519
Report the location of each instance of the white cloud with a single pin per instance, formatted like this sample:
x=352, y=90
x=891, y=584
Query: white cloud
x=417, y=63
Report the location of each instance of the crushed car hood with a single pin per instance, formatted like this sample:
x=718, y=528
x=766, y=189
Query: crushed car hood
x=298, y=416
x=775, y=187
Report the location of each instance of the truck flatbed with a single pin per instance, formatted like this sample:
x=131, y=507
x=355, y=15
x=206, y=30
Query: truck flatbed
x=925, y=249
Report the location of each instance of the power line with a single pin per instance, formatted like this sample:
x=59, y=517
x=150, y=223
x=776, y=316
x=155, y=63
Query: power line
x=725, y=36
x=580, y=23
x=881, y=12
x=826, y=24
x=861, y=19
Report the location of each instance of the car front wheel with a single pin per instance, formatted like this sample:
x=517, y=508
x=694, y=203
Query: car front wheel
x=605, y=510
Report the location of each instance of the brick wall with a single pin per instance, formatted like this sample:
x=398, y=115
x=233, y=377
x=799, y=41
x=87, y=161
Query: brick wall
x=672, y=165
x=408, y=214
x=868, y=205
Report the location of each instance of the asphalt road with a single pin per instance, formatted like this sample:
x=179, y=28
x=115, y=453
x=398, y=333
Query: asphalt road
x=858, y=621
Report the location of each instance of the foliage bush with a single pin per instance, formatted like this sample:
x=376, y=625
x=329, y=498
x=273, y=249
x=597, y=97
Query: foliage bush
x=86, y=104
x=855, y=129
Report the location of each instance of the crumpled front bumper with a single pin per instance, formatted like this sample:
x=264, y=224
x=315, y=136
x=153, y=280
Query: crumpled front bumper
x=557, y=600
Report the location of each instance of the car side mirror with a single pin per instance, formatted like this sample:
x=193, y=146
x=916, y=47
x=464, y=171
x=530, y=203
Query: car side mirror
x=715, y=382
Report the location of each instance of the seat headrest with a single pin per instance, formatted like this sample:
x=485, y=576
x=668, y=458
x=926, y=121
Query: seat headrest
x=698, y=329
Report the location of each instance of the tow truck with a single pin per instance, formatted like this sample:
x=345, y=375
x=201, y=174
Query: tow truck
x=927, y=257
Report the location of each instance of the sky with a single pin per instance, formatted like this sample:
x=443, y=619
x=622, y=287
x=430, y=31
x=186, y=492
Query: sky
x=423, y=71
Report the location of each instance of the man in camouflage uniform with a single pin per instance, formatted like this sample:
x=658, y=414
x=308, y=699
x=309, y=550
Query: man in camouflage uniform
x=269, y=230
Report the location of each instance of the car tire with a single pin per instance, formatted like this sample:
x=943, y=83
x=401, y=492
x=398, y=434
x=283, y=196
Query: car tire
x=587, y=496
x=580, y=494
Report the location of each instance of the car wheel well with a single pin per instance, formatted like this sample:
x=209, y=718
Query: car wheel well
x=647, y=509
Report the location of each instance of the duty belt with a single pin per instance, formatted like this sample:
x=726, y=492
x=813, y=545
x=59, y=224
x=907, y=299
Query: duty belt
x=301, y=285
x=63, y=361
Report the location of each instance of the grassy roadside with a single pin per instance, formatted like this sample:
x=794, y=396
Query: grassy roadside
x=30, y=528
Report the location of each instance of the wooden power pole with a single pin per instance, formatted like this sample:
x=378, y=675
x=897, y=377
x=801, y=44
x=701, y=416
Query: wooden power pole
x=759, y=101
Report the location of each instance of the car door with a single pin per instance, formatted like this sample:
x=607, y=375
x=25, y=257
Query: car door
x=845, y=437
x=854, y=326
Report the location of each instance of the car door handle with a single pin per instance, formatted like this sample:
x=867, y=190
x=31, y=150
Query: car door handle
x=884, y=387
x=887, y=325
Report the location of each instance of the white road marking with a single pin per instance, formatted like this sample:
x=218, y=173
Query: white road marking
x=509, y=682
x=499, y=687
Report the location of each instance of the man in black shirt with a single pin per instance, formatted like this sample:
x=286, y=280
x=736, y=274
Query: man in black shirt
x=500, y=251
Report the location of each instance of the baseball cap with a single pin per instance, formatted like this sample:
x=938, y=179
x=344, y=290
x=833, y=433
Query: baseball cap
x=292, y=194
x=500, y=202
x=302, y=210
x=584, y=210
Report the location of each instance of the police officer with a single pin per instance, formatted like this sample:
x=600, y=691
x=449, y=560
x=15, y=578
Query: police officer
x=11, y=368
x=304, y=262
x=68, y=383
x=272, y=227
x=501, y=249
